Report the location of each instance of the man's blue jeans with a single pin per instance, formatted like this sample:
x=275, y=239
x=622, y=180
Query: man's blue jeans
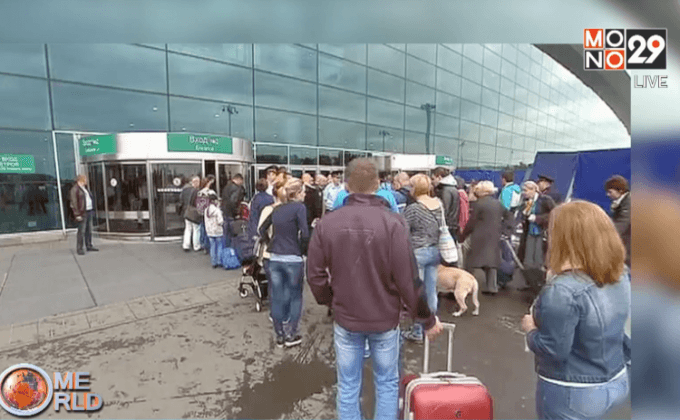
x=562, y=402
x=349, y=355
x=285, y=283
x=428, y=262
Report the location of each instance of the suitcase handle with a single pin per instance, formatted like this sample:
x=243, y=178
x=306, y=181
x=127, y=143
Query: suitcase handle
x=449, y=352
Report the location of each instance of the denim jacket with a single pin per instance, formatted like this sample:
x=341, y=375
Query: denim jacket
x=580, y=336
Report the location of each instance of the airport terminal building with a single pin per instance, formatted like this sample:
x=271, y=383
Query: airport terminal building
x=139, y=119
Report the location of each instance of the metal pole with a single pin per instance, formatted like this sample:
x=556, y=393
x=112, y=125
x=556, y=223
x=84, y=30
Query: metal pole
x=427, y=133
x=230, y=124
x=61, y=199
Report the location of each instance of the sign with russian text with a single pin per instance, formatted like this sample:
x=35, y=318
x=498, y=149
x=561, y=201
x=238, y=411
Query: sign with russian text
x=17, y=164
x=444, y=160
x=198, y=143
x=98, y=145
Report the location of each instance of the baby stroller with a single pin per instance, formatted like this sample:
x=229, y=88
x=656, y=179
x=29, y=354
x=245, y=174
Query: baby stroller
x=254, y=277
x=535, y=277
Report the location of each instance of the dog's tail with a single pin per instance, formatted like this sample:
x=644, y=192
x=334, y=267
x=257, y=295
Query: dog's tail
x=475, y=294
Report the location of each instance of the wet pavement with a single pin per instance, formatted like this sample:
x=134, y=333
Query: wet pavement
x=217, y=359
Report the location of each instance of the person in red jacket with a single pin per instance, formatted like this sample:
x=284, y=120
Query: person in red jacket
x=365, y=249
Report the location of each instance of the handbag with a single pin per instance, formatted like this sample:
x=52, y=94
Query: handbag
x=447, y=246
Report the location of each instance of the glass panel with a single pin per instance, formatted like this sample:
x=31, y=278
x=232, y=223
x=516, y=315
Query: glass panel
x=385, y=113
x=447, y=82
x=85, y=108
x=474, y=51
x=26, y=59
x=522, y=78
x=354, y=52
x=492, y=61
x=29, y=201
x=388, y=140
x=471, y=91
x=489, y=117
x=449, y=60
x=455, y=47
x=196, y=116
x=469, y=110
x=206, y=79
x=447, y=126
x=231, y=53
x=469, y=154
x=448, y=104
x=350, y=156
x=469, y=131
x=385, y=86
x=518, y=127
x=427, y=52
x=340, y=73
x=303, y=156
x=521, y=94
x=491, y=80
x=518, y=141
x=67, y=172
x=330, y=157
x=487, y=135
x=95, y=183
x=420, y=71
x=520, y=110
x=290, y=60
x=341, y=104
x=490, y=98
x=119, y=65
x=497, y=48
x=342, y=134
x=226, y=171
x=24, y=103
x=271, y=154
x=416, y=120
x=504, y=138
x=168, y=221
x=505, y=121
x=487, y=154
x=510, y=53
x=507, y=105
x=386, y=59
x=285, y=127
x=128, y=200
x=508, y=70
x=284, y=93
x=401, y=47
x=472, y=70
x=507, y=87
x=502, y=156
x=415, y=143
x=417, y=95
x=445, y=146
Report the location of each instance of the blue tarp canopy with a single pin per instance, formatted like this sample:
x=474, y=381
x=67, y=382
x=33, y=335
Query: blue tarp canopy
x=593, y=170
x=560, y=166
x=487, y=175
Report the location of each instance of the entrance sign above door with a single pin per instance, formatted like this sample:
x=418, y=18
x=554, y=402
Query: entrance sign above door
x=444, y=160
x=98, y=145
x=17, y=164
x=181, y=142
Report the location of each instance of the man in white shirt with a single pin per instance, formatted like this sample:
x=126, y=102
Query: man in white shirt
x=82, y=205
x=332, y=190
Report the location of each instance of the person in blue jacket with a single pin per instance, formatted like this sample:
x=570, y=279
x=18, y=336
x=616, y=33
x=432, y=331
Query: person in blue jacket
x=511, y=194
x=386, y=194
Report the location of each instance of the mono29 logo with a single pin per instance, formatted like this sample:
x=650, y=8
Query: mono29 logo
x=624, y=49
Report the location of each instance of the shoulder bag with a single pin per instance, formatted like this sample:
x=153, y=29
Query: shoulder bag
x=447, y=246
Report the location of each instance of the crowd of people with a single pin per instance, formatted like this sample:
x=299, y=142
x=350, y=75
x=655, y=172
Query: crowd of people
x=372, y=250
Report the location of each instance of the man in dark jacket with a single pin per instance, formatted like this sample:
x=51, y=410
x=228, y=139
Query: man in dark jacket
x=259, y=201
x=313, y=199
x=82, y=205
x=232, y=196
x=446, y=189
x=618, y=191
x=361, y=262
x=402, y=191
x=192, y=222
x=546, y=187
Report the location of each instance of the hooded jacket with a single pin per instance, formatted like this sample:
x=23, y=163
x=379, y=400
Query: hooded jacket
x=447, y=191
x=507, y=193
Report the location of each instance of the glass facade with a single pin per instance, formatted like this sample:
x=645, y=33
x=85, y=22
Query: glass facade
x=494, y=105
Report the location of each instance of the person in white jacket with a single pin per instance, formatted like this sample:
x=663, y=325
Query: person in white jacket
x=214, y=220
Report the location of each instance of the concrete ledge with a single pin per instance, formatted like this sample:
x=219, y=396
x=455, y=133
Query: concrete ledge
x=18, y=239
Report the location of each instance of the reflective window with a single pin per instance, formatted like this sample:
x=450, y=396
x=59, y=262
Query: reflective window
x=520, y=110
x=523, y=61
x=67, y=172
x=118, y=65
x=518, y=142
x=355, y=52
x=416, y=120
x=400, y=47
x=487, y=153
x=456, y=47
x=448, y=104
x=447, y=82
x=427, y=52
x=504, y=138
x=284, y=127
x=206, y=79
x=522, y=78
x=129, y=195
x=29, y=201
x=508, y=70
x=518, y=127
x=232, y=53
x=505, y=121
x=469, y=154
x=530, y=145
x=341, y=104
x=350, y=156
x=532, y=99
x=28, y=59
x=341, y=134
x=386, y=86
x=195, y=116
x=489, y=117
x=487, y=135
x=536, y=54
x=507, y=105
x=415, y=142
x=469, y=110
x=510, y=53
x=385, y=113
x=447, y=126
x=303, y=156
x=492, y=61
x=290, y=60
x=472, y=70
x=420, y=71
x=284, y=93
x=449, y=60
x=271, y=154
x=491, y=80
x=502, y=156
x=536, y=69
x=417, y=95
x=531, y=129
x=24, y=103
x=386, y=59
x=497, y=48
x=340, y=73
x=490, y=98
x=329, y=157
x=474, y=51
x=507, y=87
x=471, y=91
x=534, y=85
x=525, y=49
x=391, y=138
x=107, y=110
x=445, y=146
x=469, y=131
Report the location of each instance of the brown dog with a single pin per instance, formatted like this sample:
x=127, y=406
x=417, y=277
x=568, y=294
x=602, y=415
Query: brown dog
x=461, y=283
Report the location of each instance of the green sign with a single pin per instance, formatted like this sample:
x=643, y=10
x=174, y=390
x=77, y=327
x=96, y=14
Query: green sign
x=198, y=143
x=98, y=145
x=17, y=164
x=443, y=160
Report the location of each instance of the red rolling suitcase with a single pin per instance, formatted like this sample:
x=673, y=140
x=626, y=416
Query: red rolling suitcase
x=444, y=395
